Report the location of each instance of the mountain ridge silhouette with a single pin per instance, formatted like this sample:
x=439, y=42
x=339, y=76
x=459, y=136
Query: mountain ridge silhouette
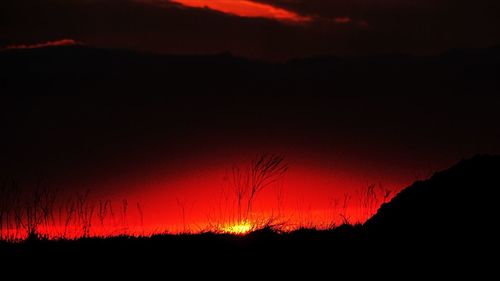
x=85, y=66
x=456, y=205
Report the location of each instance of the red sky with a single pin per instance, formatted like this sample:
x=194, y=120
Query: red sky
x=310, y=189
x=173, y=151
x=196, y=193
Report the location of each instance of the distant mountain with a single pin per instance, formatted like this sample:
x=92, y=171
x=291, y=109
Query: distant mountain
x=84, y=68
x=456, y=207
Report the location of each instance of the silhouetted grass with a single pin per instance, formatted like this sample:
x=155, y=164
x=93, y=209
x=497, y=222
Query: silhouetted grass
x=407, y=236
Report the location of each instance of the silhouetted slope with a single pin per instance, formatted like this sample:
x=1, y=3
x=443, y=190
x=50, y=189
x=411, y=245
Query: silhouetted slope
x=458, y=206
x=444, y=225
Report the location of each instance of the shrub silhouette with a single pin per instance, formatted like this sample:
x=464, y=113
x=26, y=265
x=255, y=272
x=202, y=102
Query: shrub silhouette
x=250, y=181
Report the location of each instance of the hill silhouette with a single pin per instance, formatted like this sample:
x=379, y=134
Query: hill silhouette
x=457, y=205
x=448, y=221
x=443, y=225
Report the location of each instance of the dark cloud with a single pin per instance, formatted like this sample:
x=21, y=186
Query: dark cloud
x=127, y=24
x=411, y=26
x=160, y=26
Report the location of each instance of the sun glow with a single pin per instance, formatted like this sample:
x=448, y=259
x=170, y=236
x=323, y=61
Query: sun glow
x=239, y=228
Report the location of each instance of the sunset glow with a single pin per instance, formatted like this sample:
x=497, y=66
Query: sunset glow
x=200, y=194
x=238, y=229
x=206, y=201
x=245, y=8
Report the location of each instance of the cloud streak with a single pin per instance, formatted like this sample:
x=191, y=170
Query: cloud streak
x=271, y=31
x=245, y=8
x=56, y=43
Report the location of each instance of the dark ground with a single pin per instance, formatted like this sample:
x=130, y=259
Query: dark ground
x=443, y=226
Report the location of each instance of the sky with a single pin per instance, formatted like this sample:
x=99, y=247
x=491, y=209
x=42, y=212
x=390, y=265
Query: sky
x=265, y=29
x=167, y=136
x=174, y=154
